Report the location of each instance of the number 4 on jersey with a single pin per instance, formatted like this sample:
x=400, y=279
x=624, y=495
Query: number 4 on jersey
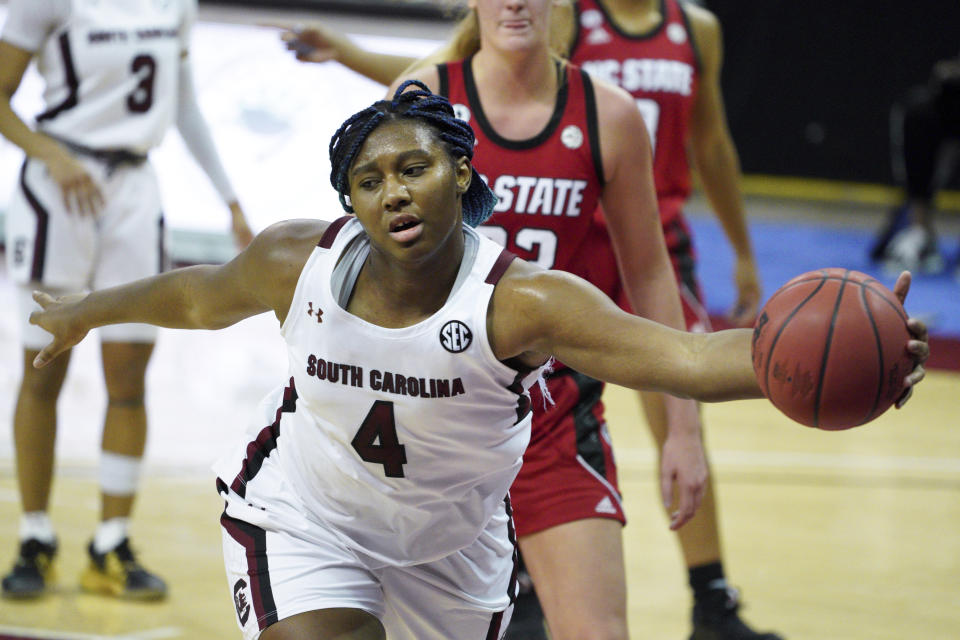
x=380, y=425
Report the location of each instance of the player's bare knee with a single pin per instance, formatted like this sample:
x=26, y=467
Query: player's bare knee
x=43, y=384
x=124, y=371
x=125, y=392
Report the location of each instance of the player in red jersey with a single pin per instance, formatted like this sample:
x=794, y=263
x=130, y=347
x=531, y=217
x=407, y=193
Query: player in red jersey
x=569, y=440
x=668, y=56
x=553, y=143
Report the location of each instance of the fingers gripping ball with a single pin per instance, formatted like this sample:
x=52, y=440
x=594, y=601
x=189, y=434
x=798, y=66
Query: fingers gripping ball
x=829, y=349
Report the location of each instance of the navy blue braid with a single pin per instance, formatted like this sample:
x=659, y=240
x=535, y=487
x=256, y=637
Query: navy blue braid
x=340, y=159
x=435, y=111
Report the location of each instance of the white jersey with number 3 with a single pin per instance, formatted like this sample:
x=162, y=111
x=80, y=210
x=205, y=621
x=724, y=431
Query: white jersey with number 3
x=110, y=66
x=404, y=441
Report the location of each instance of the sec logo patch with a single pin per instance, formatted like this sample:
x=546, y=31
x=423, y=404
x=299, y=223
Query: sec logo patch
x=455, y=336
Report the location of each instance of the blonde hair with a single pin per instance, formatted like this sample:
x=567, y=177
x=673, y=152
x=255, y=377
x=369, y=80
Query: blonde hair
x=465, y=39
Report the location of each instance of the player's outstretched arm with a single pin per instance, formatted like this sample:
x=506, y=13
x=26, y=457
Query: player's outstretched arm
x=317, y=42
x=261, y=278
x=539, y=313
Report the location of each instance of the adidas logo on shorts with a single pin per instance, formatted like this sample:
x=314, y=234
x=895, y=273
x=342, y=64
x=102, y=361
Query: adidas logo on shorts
x=606, y=506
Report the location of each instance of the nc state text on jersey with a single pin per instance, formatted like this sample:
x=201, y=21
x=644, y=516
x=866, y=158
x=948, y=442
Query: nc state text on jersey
x=668, y=76
x=386, y=381
x=546, y=196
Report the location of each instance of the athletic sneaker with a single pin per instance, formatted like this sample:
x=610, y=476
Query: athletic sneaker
x=897, y=219
x=715, y=617
x=117, y=573
x=915, y=249
x=32, y=571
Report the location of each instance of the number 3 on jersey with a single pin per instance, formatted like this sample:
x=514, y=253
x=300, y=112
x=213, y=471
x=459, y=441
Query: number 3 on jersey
x=380, y=425
x=141, y=99
x=541, y=243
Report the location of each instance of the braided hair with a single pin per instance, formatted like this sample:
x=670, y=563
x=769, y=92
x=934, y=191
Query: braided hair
x=419, y=104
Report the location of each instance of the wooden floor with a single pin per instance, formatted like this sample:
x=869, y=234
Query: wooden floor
x=840, y=536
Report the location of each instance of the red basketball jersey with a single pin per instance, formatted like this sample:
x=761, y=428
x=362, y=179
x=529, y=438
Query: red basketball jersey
x=661, y=70
x=549, y=185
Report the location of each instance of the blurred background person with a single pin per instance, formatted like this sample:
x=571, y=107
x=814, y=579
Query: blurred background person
x=924, y=135
x=87, y=215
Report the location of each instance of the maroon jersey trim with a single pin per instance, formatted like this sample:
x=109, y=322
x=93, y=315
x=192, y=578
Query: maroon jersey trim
x=326, y=240
x=40, y=237
x=254, y=540
x=499, y=267
x=73, y=85
x=264, y=444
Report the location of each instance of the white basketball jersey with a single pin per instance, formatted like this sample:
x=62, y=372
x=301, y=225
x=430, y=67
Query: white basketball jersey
x=110, y=66
x=404, y=440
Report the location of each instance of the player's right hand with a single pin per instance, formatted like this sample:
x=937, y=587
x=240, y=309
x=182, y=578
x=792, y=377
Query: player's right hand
x=747, y=282
x=81, y=194
x=683, y=477
x=58, y=317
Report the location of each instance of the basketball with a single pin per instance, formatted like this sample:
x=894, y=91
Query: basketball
x=829, y=349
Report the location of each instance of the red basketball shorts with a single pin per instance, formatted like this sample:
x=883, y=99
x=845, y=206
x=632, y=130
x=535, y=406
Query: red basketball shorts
x=568, y=470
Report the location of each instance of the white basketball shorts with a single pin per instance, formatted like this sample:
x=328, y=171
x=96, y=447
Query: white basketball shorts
x=280, y=562
x=51, y=249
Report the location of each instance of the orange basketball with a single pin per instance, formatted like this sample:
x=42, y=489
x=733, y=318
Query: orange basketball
x=829, y=349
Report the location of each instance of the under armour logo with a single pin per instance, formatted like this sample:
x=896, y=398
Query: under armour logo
x=319, y=312
x=240, y=601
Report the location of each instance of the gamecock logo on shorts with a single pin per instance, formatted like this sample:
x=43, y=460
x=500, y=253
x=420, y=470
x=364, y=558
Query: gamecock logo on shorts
x=455, y=336
x=240, y=601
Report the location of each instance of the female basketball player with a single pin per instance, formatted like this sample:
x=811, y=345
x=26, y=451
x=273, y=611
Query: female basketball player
x=370, y=501
x=668, y=58
x=87, y=215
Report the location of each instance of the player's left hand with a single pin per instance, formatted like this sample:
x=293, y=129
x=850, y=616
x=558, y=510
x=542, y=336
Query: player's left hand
x=242, y=235
x=683, y=477
x=919, y=346
x=744, y=312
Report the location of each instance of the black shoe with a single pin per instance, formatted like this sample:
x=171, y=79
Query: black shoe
x=527, y=621
x=715, y=618
x=33, y=570
x=117, y=573
x=897, y=219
